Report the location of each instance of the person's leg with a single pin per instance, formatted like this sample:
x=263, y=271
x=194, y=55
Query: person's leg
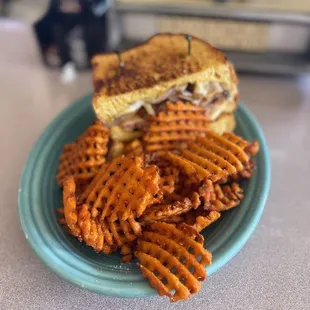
x=89, y=38
x=60, y=33
x=94, y=31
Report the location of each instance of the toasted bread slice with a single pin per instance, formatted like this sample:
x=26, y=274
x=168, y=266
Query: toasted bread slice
x=152, y=69
x=225, y=123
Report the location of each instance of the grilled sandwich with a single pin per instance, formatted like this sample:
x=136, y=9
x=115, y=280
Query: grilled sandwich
x=130, y=89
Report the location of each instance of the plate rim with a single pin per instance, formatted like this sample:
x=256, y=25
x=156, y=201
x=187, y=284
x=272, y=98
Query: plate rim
x=237, y=245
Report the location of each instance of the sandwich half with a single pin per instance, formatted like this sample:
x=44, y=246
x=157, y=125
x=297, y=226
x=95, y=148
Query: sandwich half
x=127, y=94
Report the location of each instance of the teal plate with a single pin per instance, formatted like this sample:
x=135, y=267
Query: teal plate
x=39, y=195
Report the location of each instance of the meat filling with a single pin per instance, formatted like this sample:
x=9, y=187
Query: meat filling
x=206, y=95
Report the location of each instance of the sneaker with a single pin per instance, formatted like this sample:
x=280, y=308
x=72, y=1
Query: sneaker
x=68, y=73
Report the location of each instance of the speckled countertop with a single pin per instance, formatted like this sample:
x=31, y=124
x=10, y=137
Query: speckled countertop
x=272, y=271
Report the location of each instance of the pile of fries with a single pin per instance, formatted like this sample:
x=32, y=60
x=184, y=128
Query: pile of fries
x=152, y=201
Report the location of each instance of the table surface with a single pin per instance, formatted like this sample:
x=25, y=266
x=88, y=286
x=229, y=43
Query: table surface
x=272, y=271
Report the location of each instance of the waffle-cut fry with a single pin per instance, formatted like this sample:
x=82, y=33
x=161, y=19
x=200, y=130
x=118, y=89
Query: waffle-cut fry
x=80, y=223
x=249, y=148
x=236, y=140
x=61, y=220
x=164, y=211
x=93, y=233
x=127, y=253
x=180, y=111
x=228, y=145
x=174, y=219
x=184, y=187
x=247, y=172
x=101, y=179
x=95, y=180
x=206, y=191
x=224, y=153
x=216, y=172
x=174, y=135
x=163, y=146
x=124, y=232
x=85, y=157
x=184, y=106
x=123, y=189
x=226, y=197
x=192, y=232
x=173, y=262
x=172, y=128
x=168, y=179
x=180, y=122
x=196, y=218
x=103, y=236
x=252, y=149
x=199, y=219
x=194, y=171
x=213, y=157
x=69, y=201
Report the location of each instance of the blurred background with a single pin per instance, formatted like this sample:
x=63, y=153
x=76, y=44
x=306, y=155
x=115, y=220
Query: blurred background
x=258, y=36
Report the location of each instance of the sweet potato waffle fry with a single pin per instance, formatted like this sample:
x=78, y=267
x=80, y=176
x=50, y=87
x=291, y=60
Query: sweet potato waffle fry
x=246, y=173
x=168, y=179
x=83, y=158
x=103, y=236
x=199, y=219
x=175, y=112
x=211, y=157
x=184, y=106
x=227, y=144
x=171, y=260
x=123, y=189
x=180, y=122
x=250, y=148
x=164, y=146
x=225, y=197
x=195, y=171
x=163, y=212
x=153, y=206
